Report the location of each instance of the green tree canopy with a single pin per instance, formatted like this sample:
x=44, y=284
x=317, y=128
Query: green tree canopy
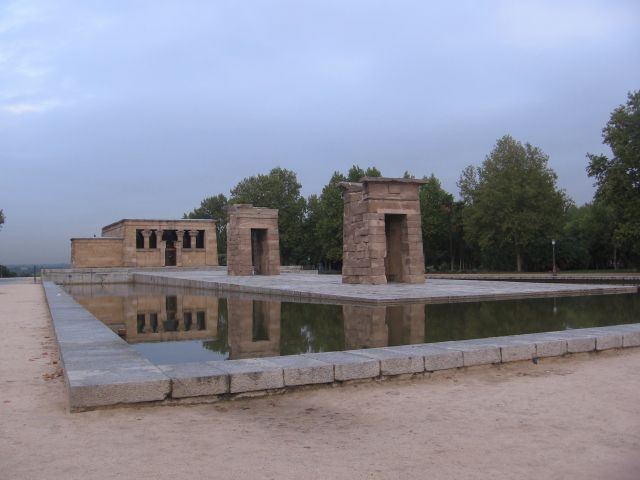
x=618, y=178
x=587, y=238
x=356, y=173
x=278, y=189
x=436, y=206
x=330, y=220
x=512, y=201
x=213, y=208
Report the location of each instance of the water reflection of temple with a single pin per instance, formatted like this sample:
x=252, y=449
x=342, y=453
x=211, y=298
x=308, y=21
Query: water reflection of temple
x=157, y=318
x=382, y=326
x=252, y=328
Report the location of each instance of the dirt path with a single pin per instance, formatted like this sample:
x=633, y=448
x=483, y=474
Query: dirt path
x=568, y=418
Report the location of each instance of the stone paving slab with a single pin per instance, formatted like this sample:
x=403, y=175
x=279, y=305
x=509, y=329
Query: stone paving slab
x=302, y=370
x=512, y=348
x=474, y=353
x=435, y=358
x=348, y=366
x=393, y=362
x=252, y=374
x=608, y=339
x=196, y=379
x=331, y=288
x=630, y=334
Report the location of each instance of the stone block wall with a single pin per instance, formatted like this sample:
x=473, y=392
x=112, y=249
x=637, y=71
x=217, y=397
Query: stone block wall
x=382, y=236
x=118, y=246
x=241, y=250
x=96, y=252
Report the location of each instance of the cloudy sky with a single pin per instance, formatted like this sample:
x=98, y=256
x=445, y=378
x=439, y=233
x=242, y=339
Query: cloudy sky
x=140, y=109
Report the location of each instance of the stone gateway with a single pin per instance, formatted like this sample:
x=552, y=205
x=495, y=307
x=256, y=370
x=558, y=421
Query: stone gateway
x=253, y=241
x=382, y=236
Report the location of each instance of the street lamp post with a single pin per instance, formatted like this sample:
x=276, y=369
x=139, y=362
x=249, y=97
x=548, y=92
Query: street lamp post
x=553, y=246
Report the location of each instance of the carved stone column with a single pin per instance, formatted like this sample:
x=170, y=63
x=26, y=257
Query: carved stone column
x=162, y=246
x=193, y=234
x=180, y=236
x=145, y=238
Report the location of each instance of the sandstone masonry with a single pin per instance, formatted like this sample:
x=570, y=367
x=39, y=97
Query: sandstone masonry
x=149, y=243
x=382, y=237
x=253, y=241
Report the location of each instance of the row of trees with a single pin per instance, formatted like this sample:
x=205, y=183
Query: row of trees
x=510, y=208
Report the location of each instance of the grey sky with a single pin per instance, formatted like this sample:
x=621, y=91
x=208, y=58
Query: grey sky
x=140, y=109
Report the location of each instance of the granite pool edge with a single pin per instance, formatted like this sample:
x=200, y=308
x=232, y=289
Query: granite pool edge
x=102, y=370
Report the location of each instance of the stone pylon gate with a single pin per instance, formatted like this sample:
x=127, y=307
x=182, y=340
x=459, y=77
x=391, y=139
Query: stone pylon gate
x=253, y=241
x=382, y=237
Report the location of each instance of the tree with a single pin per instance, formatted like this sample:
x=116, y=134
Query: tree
x=618, y=179
x=356, y=173
x=6, y=273
x=278, y=189
x=587, y=237
x=436, y=206
x=512, y=201
x=213, y=208
x=330, y=221
x=312, y=245
x=1, y=218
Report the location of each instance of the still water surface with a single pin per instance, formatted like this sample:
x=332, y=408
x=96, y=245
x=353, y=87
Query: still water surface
x=188, y=326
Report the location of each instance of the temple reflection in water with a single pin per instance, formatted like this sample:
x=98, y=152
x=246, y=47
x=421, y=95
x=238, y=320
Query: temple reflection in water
x=239, y=326
x=247, y=328
x=156, y=318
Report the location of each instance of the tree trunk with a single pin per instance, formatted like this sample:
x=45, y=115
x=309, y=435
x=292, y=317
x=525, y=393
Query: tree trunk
x=451, y=259
x=518, y=260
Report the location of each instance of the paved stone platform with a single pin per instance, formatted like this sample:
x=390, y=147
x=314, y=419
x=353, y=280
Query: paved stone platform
x=101, y=369
x=330, y=287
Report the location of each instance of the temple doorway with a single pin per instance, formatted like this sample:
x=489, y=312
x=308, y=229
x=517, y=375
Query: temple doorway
x=258, y=250
x=396, y=244
x=170, y=256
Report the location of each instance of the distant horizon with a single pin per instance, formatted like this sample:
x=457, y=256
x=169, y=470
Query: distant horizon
x=141, y=110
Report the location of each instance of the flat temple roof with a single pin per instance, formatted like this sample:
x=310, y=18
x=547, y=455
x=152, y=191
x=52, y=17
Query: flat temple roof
x=165, y=220
x=392, y=180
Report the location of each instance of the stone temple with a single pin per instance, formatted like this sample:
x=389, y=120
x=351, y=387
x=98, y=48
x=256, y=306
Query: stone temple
x=382, y=236
x=149, y=243
x=253, y=241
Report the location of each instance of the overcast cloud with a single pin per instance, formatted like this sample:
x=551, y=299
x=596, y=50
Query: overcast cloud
x=113, y=110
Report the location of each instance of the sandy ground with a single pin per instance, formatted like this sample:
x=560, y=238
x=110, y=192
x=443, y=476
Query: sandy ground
x=565, y=418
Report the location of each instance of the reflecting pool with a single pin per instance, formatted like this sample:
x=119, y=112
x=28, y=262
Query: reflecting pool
x=175, y=326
